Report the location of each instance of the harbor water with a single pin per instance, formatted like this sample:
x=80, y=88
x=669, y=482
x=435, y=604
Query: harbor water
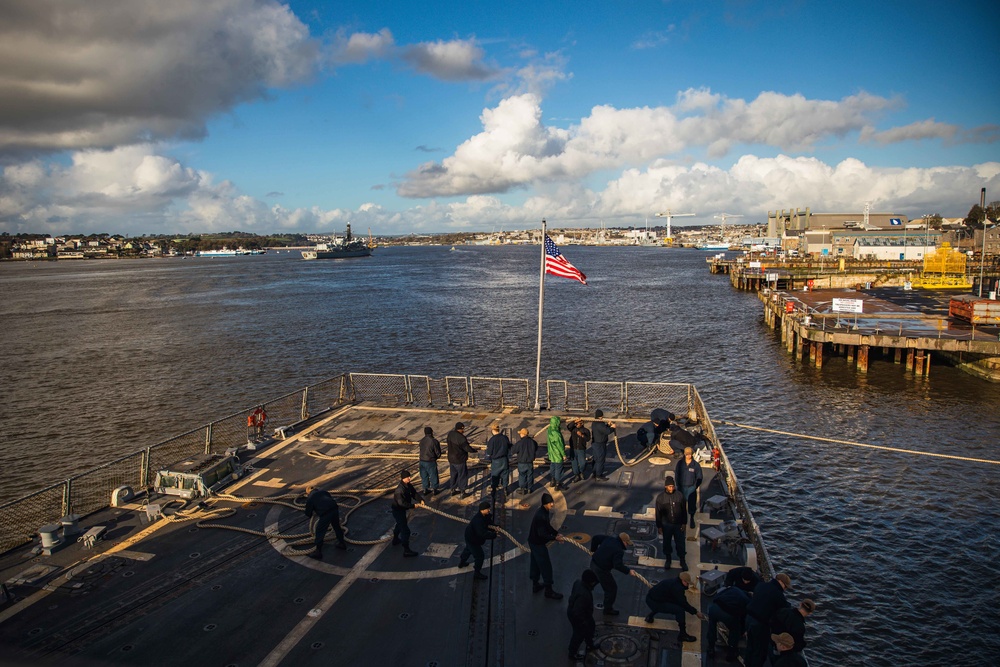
x=102, y=358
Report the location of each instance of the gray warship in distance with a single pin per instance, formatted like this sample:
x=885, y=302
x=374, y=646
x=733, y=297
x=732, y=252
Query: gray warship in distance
x=201, y=559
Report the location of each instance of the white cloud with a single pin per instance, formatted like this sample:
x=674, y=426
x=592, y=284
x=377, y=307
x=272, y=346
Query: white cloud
x=80, y=74
x=134, y=190
x=361, y=47
x=455, y=60
x=924, y=129
x=515, y=149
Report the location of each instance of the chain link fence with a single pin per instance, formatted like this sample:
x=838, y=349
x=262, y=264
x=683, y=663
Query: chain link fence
x=641, y=398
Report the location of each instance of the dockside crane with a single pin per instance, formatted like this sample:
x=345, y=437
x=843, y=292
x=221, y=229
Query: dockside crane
x=724, y=217
x=668, y=214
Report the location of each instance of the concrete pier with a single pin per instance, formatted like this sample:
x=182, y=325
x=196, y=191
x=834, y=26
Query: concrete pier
x=892, y=321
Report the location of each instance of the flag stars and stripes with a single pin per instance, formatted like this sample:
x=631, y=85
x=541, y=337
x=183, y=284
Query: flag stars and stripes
x=558, y=265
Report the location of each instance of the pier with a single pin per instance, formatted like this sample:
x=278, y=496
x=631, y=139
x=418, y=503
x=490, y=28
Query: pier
x=908, y=327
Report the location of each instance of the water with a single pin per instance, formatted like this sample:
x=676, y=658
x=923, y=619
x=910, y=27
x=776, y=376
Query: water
x=101, y=358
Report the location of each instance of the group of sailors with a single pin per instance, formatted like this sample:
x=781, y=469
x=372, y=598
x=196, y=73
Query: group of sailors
x=746, y=605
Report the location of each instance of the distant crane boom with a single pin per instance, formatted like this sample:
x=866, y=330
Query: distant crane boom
x=724, y=217
x=668, y=214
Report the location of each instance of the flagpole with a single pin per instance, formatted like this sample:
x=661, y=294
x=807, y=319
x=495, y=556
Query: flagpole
x=541, y=302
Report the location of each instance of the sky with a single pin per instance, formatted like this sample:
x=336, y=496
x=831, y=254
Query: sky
x=196, y=116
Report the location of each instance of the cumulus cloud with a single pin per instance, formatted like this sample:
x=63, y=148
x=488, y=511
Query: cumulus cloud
x=925, y=129
x=455, y=60
x=515, y=148
x=361, y=46
x=134, y=190
x=94, y=73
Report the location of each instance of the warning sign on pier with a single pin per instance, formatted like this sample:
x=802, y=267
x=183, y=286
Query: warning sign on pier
x=848, y=305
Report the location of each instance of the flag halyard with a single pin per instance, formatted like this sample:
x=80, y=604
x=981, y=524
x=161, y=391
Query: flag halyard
x=557, y=265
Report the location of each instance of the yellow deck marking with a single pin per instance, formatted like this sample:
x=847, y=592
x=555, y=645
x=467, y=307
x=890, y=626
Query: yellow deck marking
x=647, y=561
x=273, y=483
x=605, y=511
x=648, y=515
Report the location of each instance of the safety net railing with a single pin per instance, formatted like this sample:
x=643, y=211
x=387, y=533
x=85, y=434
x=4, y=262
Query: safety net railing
x=734, y=490
x=91, y=491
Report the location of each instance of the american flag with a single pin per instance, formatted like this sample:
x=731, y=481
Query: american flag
x=557, y=265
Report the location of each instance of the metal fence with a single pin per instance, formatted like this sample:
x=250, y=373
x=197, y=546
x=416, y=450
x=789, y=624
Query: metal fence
x=91, y=490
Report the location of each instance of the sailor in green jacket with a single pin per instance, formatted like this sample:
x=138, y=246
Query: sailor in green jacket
x=557, y=452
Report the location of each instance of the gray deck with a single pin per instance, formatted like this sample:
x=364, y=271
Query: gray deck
x=184, y=595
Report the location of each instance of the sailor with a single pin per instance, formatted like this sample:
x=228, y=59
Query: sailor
x=793, y=621
x=430, y=452
x=646, y=435
x=524, y=451
x=458, y=459
x=768, y=598
x=688, y=474
x=671, y=519
x=498, y=452
x=744, y=578
x=579, y=438
x=327, y=513
x=540, y=534
x=609, y=552
x=729, y=606
x=261, y=420
x=557, y=452
x=402, y=501
x=601, y=432
x=787, y=656
x=667, y=597
x=581, y=615
x=476, y=533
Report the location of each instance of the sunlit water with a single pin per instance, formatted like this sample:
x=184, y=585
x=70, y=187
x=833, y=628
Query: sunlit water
x=101, y=358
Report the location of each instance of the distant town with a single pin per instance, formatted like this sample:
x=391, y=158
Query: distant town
x=864, y=235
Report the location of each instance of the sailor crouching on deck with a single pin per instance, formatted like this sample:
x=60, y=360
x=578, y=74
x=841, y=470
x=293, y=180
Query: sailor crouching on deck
x=540, y=534
x=402, y=501
x=667, y=597
x=328, y=514
x=609, y=552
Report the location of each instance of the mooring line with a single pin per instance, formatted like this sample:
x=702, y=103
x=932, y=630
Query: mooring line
x=859, y=444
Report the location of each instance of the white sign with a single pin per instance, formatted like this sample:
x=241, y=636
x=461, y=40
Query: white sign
x=754, y=265
x=848, y=305
x=772, y=277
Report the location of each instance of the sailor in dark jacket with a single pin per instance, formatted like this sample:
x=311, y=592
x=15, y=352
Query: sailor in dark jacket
x=458, y=458
x=430, y=452
x=498, y=452
x=581, y=615
x=793, y=621
x=579, y=439
x=402, y=501
x=729, y=607
x=328, y=514
x=768, y=598
x=744, y=578
x=476, y=534
x=524, y=451
x=688, y=476
x=667, y=597
x=601, y=432
x=540, y=534
x=609, y=552
x=671, y=519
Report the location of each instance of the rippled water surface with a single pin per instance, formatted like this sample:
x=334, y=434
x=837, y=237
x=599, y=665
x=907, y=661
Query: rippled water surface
x=101, y=358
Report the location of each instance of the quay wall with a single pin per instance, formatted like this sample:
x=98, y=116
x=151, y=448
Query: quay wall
x=807, y=336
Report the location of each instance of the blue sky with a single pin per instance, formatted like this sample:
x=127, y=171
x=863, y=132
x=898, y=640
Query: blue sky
x=221, y=115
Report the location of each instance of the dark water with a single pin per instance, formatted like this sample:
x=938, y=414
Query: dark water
x=900, y=551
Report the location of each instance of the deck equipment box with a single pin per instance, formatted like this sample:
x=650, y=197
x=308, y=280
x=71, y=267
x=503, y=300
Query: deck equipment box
x=711, y=581
x=195, y=478
x=975, y=309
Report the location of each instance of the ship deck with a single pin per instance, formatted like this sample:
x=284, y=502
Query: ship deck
x=171, y=592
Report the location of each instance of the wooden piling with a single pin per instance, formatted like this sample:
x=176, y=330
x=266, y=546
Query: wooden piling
x=909, y=359
x=899, y=355
x=862, y=358
x=927, y=368
x=819, y=354
x=799, y=344
x=850, y=354
x=919, y=367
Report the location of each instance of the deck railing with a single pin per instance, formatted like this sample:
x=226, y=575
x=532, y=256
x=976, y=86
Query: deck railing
x=91, y=491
